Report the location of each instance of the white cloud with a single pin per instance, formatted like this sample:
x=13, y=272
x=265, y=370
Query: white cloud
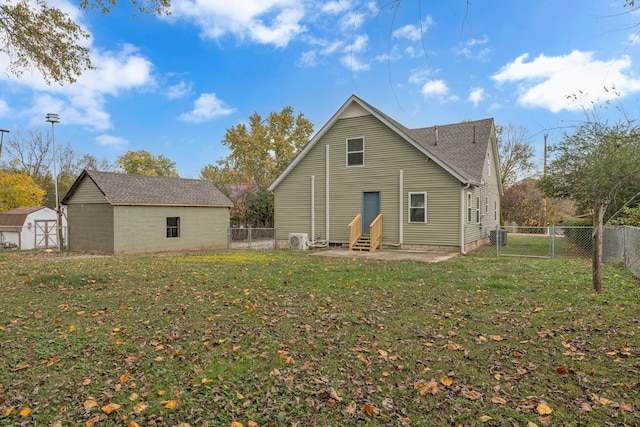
x=473, y=49
x=419, y=76
x=179, y=90
x=111, y=141
x=4, y=108
x=84, y=102
x=436, y=88
x=476, y=96
x=333, y=7
x=275, y=22
x=413, y=32
x=350, y=58
x=206, y=108
x=548, y=81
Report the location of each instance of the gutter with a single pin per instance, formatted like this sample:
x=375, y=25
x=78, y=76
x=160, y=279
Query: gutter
x=462, y=218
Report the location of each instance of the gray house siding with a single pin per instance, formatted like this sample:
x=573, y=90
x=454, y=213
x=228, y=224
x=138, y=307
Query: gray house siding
x=143, y=229
x=92, y=229
x=387, y=159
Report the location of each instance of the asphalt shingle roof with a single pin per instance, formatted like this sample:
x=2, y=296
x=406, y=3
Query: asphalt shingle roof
x=125, y=189
x=460, y=146
x=9, y=220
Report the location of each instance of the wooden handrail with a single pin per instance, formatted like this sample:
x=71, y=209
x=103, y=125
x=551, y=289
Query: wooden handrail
x=376, y=233
x=355, y=230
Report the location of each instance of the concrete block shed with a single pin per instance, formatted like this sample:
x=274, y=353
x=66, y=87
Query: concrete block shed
x=119, y=213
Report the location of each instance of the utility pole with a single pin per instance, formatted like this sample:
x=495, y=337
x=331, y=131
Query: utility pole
x=54, y=118
x=544, y=175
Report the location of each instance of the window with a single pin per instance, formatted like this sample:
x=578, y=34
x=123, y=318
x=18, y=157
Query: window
x=478, y=210
x=418, y=207
x=486, y=205
x=468, y=207
x=355, y=152
x=173, y=227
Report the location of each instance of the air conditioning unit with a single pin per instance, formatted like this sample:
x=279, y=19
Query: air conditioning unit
x=299, y=241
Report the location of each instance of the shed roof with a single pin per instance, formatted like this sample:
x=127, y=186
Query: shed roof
x=459, y=148
x=9, y=220
x=126, y=189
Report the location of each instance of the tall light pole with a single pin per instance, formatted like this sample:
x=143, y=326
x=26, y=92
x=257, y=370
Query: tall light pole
x=2, y=131
x=53, y=118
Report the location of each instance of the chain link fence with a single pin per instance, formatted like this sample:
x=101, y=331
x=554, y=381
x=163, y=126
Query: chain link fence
x=622, y=245
x=619, y=244
x=252, y=238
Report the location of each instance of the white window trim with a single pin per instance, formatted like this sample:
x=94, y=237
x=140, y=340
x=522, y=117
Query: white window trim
x=486, y=205
x=348, y=152
x=469, y=207
x=478, y=219
x=424, y=193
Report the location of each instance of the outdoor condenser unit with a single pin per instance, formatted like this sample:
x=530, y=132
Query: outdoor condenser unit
x=299, y=241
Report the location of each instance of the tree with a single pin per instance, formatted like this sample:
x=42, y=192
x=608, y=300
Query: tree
x=259, y=153
x=598, y=166
x=515, y=153
x=35, y=34
x=522, y=203
x=142, y=162
x=18, y=189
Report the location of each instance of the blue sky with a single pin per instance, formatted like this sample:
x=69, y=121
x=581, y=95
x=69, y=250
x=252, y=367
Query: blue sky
x=173, y=85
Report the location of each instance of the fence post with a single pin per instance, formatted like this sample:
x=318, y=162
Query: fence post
x=553, y=241
x=229, y=238
x=497, y=240
x=249, y=237
x=624, y=246
x=275, y=238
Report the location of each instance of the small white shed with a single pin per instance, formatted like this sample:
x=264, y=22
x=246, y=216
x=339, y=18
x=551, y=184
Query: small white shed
x=29, y=227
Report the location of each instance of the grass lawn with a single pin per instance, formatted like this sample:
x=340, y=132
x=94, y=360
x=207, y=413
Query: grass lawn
x=278, y=338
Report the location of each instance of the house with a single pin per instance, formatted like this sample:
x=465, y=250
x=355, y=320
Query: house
x=29, y=227
x=366, y=176
x=117, y=213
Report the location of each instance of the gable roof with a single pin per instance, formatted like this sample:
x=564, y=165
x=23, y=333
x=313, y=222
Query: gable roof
x=125, y=189
x=9, y=220
x=458, y=148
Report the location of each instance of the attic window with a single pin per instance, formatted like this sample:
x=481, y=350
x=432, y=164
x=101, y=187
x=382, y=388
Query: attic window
x=173, y=227
x=355, y=152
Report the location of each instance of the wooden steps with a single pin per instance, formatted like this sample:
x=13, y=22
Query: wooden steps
x=363, y=244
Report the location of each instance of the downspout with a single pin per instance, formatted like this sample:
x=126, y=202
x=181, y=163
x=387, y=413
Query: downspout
x=401, y=205
x=327, y=191
x=462, y=218
x=313, y=208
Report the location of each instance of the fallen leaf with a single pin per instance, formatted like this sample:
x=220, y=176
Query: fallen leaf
x=133, y=424
x=561, y=370
x=133, y=396
x=626, y=407
x=111, y=407
x=140, y=407
x=86, y=381
x=431, y=388
x=331, y=403
x=236, y=424
x=455, y=347
x=90, y=403
x=21, y=366
x=498, y=400
x=124, y=378
x=351, y=408
x=532, y=424
x=485, y=418
x=383, y=353
x=72, y=328
x=206, y=380
x=25, y=412
x=169, y=404
x=543, y=409
x=252, y=424
x=7, y=412
x=547, y=420
x=369, y=410
x=92, y=421
x=495, y=338
x=471, y=394
x=334, y=395
x=446, y=381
